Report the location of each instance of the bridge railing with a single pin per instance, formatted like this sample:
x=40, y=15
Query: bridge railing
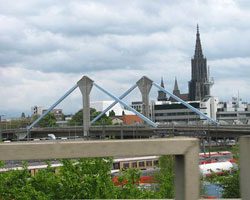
x=185, y=151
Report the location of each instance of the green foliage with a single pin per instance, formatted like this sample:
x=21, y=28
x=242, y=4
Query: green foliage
x=48, y=121
x=23, y=115
x=87, y=178
x=77, y=118
x=230, y=182
x=166, y=177
x=111, y=113
x=14, y=185
x=129, y=186
x=13, y=124
x=235, y=151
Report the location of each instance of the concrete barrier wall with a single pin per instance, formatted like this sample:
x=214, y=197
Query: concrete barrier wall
x=185, y=151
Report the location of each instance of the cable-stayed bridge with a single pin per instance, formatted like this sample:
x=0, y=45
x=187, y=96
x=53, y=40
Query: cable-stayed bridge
x=148, y=129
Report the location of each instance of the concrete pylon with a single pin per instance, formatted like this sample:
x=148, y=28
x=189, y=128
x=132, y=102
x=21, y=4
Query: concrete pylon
x=85, y=84
x=144, y=85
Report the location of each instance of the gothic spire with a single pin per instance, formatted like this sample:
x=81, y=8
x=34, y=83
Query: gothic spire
x=176, y=88
x=198, y=49
x=162, y=83
x=162, y=95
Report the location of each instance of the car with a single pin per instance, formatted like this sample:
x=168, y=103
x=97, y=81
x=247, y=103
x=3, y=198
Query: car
x=51, y=137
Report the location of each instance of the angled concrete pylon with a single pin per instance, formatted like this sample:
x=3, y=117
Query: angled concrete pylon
x=144, y=85
x=85, y=84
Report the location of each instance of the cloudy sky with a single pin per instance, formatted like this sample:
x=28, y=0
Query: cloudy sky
x=47, y=46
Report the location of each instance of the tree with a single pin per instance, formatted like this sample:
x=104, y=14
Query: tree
x=23, y=115
x=16, y=185
x=77, y=118
x=111, y=113
x=48, y=121
x=87, y=178
x=230, y=182
x=165, y=177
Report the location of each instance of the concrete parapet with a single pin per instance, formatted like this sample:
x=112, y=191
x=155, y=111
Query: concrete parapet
x=245, y=167
x=185, y=150
x=85, y=84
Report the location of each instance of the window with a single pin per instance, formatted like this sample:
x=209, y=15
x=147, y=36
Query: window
x=141, y=164
x=125, y=165
x=134, y=164
x=156, y=162
x=116, y=165
x=149, y=163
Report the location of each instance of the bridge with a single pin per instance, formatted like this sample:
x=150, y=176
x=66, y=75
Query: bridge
x=136, y=131
x=148, y=129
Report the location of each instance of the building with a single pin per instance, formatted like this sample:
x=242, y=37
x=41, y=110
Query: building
x=162, y=96
x=39, y=110
x=177, y=93
x=117, y=120
x=233, y=112
x=167, y=110
x=137, y=105
x=102, y=105
x=36, y=110
x=131, y=120
x=57, y=113
x=199, y=85
x=175, y=112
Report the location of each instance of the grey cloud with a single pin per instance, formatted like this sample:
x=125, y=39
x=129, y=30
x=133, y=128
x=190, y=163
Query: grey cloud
x=116, y=42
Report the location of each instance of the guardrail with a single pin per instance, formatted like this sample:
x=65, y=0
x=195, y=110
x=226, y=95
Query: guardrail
x=185, y=151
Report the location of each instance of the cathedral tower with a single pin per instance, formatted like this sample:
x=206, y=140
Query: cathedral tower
x=199, y=86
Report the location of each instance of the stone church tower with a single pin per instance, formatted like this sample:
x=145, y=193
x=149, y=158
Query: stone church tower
x=199, y=86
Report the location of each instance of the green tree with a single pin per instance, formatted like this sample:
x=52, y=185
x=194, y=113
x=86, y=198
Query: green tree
x=77, y=118
x=48, y=121
x=165, y=177
x=87, y=178
x=16, y=185
x=111, y=113
x=130, y=189
x=23, y=115
x=46, y=182
x=230, y=181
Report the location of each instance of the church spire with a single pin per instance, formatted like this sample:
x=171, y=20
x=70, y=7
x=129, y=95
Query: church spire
x=198, y=86
x=198, y=49
x=162, y=83
x=176, y=88
x=162, y=95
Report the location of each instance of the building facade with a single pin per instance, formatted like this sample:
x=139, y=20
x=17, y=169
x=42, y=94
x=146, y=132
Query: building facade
x=233, y=112
x=175, y=112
